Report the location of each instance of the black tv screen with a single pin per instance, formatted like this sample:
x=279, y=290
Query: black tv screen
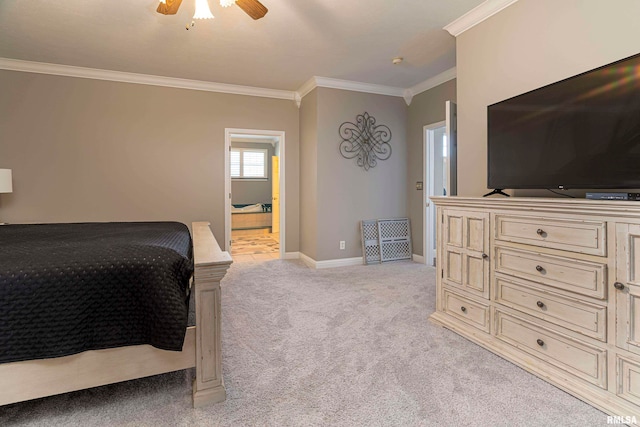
x=580, y=133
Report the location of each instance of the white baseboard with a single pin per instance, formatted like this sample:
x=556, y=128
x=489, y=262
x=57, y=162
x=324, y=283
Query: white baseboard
x=291, y=255
x=331, y=263
x=310, y=262
x=342, y=262
x=418, y=258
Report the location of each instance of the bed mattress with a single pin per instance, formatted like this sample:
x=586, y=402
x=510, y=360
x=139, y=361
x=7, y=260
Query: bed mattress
x=68, y=288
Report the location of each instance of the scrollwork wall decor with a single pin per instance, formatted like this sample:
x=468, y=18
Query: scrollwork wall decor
x=365, y=141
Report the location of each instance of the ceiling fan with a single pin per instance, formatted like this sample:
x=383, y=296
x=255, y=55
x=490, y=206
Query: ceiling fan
x=253, y=8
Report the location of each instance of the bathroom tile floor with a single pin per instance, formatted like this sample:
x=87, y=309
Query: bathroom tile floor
x=255, y=247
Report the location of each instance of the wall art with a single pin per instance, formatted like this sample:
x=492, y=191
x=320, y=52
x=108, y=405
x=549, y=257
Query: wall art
x=365, y=141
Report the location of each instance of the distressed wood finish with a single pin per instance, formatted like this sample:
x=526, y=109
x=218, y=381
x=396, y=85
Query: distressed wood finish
x=31, y=379
x=467, y=310
x=584, y=277
x=628, y=298
x=211, y=264
x=466, y=243
x=574, y=356
x=587, y=318
x=628, y=380
x=562, y=292
x=580, y=236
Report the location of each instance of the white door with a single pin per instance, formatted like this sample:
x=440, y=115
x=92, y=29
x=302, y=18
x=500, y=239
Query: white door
x=434, y=173
x=451, y=177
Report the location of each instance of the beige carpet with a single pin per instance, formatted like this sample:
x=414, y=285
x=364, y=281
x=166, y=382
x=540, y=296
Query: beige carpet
x=340, y=347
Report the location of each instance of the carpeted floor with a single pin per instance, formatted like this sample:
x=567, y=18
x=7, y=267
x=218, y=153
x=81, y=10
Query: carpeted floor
x=340, y=347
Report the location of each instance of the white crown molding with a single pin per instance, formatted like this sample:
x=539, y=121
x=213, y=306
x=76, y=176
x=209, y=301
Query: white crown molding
x=145, y=79
x=327, y=82
x=408, y=96
x=358, y=87
x=120, y=76
x=430, y=83
x=476, y=16
x=307, y=87
x=434, y=81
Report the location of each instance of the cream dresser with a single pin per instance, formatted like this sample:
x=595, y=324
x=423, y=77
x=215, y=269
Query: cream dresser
x=553, y=285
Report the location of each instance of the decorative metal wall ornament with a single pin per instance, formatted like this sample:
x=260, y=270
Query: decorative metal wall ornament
x=365, y=141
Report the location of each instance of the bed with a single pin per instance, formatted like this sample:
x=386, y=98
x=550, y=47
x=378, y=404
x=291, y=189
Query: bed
x=54, y=336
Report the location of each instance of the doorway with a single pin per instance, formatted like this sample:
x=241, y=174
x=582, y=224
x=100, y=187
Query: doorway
x=440, y=147
x=254, y=185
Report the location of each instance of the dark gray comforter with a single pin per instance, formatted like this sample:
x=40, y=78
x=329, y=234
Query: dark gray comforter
x=67, y=288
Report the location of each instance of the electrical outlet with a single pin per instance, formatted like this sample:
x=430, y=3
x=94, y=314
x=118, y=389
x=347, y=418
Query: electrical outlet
x=342, y=244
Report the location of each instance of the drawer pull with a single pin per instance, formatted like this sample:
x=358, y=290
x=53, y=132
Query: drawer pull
x=540, y=232
x=540, y=342
x=619, y=286
x=485, y=256
x=540, y=304
x=539, y=268
x=463, y=309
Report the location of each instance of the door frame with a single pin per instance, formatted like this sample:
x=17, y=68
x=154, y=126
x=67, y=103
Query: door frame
x=451, y=120
x=428, y=210
x=228, y=132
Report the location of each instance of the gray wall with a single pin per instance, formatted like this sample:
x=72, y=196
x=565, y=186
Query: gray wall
x=90, y=150
x=426, y=108
x=346, y=193
x=253, y=191
x=528, y=45
x=309, y=174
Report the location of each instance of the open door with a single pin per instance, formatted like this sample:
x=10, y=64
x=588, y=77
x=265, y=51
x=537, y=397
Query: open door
x=435, y=164
x=275, y=194
x=451, y=175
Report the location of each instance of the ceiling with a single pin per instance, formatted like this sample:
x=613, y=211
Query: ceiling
x=351, y=40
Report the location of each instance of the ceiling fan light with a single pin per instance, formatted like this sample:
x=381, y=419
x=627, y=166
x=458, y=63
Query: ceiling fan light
x=227, y=3
x=202, y=10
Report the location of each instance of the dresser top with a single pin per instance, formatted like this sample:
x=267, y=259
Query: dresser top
x=546, y=204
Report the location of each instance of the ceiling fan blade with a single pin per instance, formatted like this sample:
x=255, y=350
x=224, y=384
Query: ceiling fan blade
x=253, y=8
x=170, y=7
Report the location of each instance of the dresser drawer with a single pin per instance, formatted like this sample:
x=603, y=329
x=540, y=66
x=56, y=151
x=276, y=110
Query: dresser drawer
x=575, y=357
x=587, y=237
x=466, y=310
x=583, y=277
x=571, y=313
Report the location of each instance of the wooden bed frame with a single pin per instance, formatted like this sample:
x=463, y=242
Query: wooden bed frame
x=31, y=379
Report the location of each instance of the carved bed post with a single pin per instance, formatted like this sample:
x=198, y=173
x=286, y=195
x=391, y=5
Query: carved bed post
x=211, y=265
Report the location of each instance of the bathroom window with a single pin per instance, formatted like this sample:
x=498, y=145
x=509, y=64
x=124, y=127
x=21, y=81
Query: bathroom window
x=249, y=163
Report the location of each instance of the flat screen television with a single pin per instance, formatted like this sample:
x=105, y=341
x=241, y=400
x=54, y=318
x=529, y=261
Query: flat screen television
x=579, y=133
